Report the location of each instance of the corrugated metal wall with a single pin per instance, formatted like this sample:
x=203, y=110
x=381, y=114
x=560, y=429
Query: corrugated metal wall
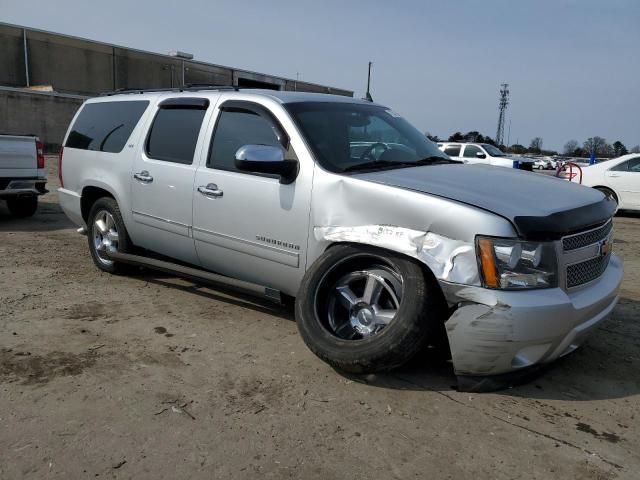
x=85, y=67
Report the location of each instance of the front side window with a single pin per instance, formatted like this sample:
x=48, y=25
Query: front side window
x=348, y=136
x=105, y=126
x=174, y=134
x=237, y=127
x=471, y=151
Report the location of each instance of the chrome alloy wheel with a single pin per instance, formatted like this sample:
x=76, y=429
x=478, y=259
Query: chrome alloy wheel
x=105, y=236
x=364, y=302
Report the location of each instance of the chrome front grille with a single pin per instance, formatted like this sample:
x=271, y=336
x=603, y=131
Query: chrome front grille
x=584, y=239
x=586, y=254
x=587, y=271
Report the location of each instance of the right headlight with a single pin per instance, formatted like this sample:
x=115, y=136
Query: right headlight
x=512, y=264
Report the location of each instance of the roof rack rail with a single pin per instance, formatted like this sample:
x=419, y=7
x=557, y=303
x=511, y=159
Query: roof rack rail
x=189, y=87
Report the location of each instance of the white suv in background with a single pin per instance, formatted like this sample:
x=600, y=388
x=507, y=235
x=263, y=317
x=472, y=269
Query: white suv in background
x=483, y=153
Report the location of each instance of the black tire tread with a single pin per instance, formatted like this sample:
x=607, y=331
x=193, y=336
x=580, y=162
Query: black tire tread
x=23, y=207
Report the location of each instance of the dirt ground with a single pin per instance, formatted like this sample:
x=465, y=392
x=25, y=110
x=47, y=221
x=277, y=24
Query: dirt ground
x=152, y=377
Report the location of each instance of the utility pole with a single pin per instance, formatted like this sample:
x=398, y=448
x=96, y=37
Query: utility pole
x=368, y=94
x=502, y=107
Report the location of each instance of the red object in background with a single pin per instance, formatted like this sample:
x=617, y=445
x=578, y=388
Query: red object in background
x=574, y=171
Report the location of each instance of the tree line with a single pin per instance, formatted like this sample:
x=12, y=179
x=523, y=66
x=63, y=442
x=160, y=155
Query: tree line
x=596, y=146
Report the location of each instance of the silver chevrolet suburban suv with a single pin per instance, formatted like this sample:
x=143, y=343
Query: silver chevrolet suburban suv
x=383, y=240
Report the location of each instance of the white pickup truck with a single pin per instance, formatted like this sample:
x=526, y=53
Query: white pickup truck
x=22, y=174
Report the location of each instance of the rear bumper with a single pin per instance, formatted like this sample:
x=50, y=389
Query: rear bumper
x=16, y=187
x=70, y=203
x=496, y=332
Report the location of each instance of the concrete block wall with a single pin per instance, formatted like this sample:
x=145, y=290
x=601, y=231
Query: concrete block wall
x=44, y=114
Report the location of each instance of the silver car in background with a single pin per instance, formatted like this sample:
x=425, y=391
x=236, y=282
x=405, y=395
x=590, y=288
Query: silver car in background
x=386, y=243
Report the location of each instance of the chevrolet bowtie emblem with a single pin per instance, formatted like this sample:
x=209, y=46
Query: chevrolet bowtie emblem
x=605, y=247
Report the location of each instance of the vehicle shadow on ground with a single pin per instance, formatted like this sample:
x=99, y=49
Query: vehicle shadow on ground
x=594, y=372
x=627, y=214
x=218, y=294
x=48, y=217
x=604, y=368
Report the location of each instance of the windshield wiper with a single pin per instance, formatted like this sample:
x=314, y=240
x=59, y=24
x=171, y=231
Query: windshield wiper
x=378, y=164
x=434, y=159
x=382, y=164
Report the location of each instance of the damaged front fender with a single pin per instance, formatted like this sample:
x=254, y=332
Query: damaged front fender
x=449, y=259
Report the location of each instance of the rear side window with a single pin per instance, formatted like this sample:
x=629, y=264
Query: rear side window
x=105, y=126
x=632, y=165
x=453, y=151
x=174, y=134
x=236, y=128
x=622, y=167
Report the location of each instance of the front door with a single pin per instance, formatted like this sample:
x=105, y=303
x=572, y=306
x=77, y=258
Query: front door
x=249, y=225
x=162, y=179
x=470, y=154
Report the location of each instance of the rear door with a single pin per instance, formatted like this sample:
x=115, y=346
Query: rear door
x=625, y=180
x=162, y=178
x=249, y=225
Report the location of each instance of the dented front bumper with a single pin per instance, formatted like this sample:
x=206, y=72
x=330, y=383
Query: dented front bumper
x=496, y=331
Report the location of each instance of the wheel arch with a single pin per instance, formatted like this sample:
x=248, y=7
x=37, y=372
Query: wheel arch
x=607, y=187
x=89, y=195
x=426, y=270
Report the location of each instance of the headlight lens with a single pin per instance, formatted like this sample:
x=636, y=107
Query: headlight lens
x=512, y=264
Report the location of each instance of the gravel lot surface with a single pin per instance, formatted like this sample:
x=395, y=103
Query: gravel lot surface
x=154, y=377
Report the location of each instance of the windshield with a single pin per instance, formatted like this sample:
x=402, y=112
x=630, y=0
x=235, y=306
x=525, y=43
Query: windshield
x=352, y=136
x=493, y=151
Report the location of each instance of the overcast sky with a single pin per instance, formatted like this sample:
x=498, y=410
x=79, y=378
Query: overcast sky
x=573, y=65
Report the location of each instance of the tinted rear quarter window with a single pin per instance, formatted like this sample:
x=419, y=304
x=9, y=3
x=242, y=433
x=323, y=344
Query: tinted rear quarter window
x=105, y=126
x=174, y=134
x=453, y=151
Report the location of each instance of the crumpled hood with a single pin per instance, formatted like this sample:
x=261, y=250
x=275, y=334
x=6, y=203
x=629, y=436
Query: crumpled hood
x=539, y=206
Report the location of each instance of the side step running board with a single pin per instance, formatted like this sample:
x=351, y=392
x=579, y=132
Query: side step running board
x=197, y=275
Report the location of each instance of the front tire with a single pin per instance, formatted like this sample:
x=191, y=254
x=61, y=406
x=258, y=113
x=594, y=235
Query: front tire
x=23, y=207
x=107, y=233
x=364, y=310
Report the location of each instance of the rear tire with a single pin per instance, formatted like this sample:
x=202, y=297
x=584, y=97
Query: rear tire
x=23, y=207
x=364, y=310
x=106, y=232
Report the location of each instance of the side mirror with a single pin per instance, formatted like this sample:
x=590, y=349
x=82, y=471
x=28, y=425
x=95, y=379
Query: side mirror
x=266, y=159
x=480, y=155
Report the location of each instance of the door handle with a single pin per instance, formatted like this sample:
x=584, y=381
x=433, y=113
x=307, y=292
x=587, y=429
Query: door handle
x=143, y=176
x=613, y=175
x=211, y=190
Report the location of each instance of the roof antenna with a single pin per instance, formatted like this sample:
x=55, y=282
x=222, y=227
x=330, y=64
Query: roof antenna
x=367, y=96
